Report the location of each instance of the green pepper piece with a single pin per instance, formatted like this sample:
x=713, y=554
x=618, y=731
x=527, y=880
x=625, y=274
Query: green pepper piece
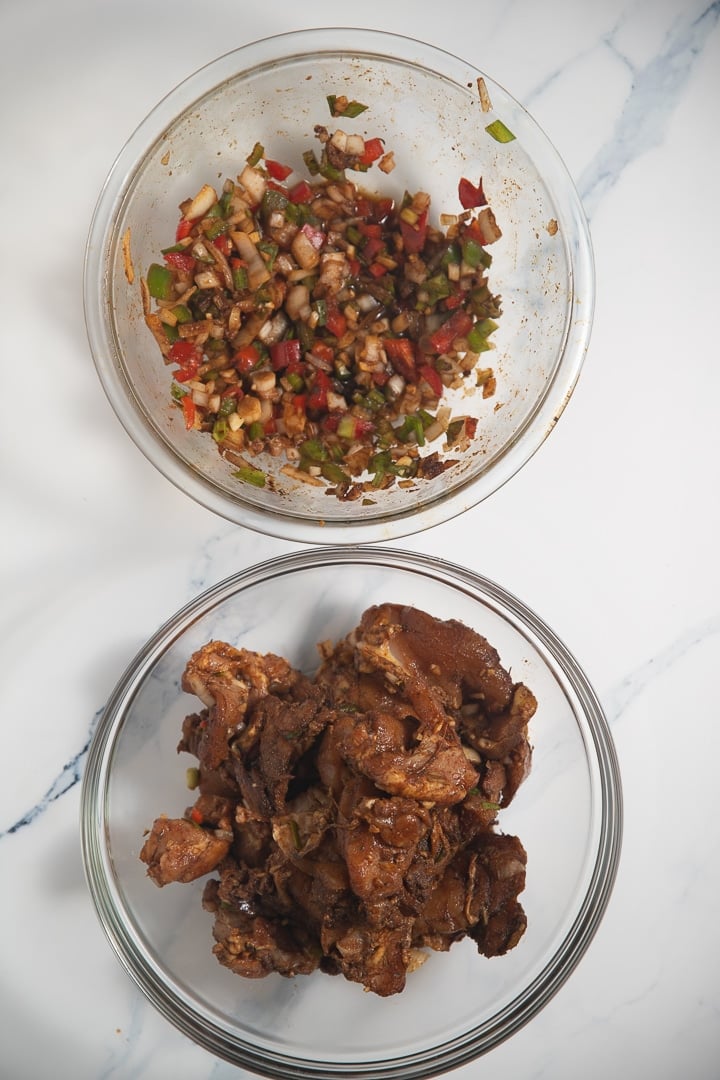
x=160, y=282
x=500, y=132
x=411, y=426
x=227, y=406
x=311, y=162
x=313, y=450
x=332, y=472
x=250, y=476
x=220, y=430
x=240, y=278
x=472, y=252
x=256, y=430
x=477, y=339
x=182, y=313
x=320, y=308
x=256, y=154
x=171, y=332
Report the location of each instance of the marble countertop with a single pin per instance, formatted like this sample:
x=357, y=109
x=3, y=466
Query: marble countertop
x=610, y=532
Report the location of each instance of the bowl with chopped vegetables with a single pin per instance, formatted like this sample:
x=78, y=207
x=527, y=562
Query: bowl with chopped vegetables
x=339, y=286
x=372, y=840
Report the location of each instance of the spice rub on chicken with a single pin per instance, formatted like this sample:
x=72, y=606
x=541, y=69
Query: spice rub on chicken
x=351, y=820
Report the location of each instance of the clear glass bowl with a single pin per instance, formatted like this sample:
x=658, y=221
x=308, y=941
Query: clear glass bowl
x=425, y=103
x=458, y=1005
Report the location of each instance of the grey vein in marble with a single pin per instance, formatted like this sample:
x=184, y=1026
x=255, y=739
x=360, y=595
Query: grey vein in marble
x=67, y=778
x=655, y=88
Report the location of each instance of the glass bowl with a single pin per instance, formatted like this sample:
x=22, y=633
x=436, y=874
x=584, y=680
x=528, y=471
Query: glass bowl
x=426, y=105
x=458, y=1005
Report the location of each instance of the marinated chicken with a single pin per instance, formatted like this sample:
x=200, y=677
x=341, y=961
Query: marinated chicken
x=351, y=820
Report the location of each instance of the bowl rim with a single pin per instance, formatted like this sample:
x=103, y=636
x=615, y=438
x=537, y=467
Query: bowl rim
x=450, y=1054
x=128, y=409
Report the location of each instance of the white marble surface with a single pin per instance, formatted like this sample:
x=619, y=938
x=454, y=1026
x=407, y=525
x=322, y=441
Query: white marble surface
x=610, y=532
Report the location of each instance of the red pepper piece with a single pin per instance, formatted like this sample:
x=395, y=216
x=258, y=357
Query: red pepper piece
x=458, y=325
x=300, y=403
x=414, y=235
x=323, y=352
x=335, y=321
x=401, y=353
x=374, y=149
x=245, y=359
x=180, y=260
x=276, y=170
x=224, y=244
x=431, y=377
x=284, y=353
x=301, y=192
x=317, y=399
x=377, y=269
x=188, y=408
x=471, y=196
x=184, y=229
x=196, y=816
x=371, y=228
x=372, y=247
x=189, y=358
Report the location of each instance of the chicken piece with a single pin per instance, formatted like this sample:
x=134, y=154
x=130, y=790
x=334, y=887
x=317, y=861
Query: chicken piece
x=477, y=896
x=265, y=757
x=178, y=850
x=254, y=946
x=496, y=736
x=408, y=645
x=379, y=842
x=377, y=958
x=229, y=681
x=401, y=758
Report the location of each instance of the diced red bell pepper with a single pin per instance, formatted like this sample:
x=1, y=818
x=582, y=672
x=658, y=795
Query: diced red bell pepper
x=377, y=269
x=331, y=421
x=323, y=352
x=189, y=410
x=276, y=170
x=196, y=816
x=431, y=377
x=246, y=358
x=458, y=325
x=335, y=321
x=414, y=235
x=180, y=260
x=284, y=353
x=317, y=399
x=274, y=185
x=372, y=247
x=374, y=149
x=300, y=403
x=380, y=209
x=184, y=229
x=401, y=353
x=471, y=196
x=301, y=192
x=354, y=265
x=224, y=244
x=188, y=357
x=370, y=228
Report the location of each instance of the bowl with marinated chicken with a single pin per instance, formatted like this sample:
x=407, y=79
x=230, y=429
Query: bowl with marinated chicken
x=338, y=286
x=374, y=838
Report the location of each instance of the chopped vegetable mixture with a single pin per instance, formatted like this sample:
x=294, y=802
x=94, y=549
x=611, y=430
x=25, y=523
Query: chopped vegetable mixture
x=308, y=319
